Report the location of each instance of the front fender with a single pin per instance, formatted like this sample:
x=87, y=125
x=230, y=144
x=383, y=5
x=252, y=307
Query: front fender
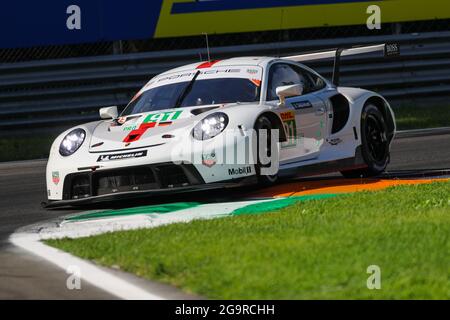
x=245, y=116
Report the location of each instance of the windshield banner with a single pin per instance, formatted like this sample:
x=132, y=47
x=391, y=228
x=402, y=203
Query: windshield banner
x=253, y=73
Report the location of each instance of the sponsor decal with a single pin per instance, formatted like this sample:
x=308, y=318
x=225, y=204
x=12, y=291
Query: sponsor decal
x=392, y=49
x=150, y=121
x=130, y=128
x=240, y=171
x=209, y=160
x=302, y=105
x=121, y=156
x=55, y=177
x=286, y=116
x=206, y=70
x=334, y=141
x=122, y=120
x=203, y=71
x=290, y=127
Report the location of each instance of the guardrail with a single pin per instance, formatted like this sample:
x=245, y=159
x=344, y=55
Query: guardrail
x=49, y=95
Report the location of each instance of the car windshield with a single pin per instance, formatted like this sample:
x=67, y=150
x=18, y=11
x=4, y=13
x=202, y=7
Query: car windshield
x=202, y=92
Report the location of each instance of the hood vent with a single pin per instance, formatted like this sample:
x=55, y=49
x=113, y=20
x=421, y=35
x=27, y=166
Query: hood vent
x=196, y=112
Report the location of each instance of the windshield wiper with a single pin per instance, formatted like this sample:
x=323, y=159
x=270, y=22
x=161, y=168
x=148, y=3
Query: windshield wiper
x=186, y=91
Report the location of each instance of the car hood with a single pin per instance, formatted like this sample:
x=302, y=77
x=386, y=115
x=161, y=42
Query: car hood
x=145, y=129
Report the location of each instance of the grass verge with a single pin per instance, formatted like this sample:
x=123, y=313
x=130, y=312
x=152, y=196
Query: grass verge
x=317, y=249
x=25, y=148
x=422, y=117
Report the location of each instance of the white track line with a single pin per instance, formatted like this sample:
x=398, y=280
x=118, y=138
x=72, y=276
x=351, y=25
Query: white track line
x=89, y=272
x=99, y=277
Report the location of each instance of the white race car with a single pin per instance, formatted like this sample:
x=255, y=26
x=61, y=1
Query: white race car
x=191, y=128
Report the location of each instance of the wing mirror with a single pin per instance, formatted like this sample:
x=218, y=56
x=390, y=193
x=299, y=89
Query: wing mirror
x=289, y=91
x=109, y=112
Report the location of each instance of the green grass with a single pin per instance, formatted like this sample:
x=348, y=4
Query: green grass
x=25, y=148
x=318, y=249
x=422, y=117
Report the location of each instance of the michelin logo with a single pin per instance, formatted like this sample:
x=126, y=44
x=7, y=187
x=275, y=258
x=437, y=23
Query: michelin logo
x=240, y=171
x=121, y=156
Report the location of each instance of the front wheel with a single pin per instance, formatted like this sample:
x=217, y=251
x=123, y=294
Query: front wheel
x=375, y=144
x=263, y=123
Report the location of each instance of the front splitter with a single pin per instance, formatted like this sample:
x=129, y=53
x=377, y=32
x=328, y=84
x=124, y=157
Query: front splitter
x=120, y=196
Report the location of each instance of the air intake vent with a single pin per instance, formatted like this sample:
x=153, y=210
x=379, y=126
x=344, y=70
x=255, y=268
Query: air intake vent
x=172, y=176
x=131, y=179
x=341, y=112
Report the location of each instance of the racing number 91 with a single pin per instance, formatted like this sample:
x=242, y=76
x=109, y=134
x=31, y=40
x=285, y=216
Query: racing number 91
x=290, y=128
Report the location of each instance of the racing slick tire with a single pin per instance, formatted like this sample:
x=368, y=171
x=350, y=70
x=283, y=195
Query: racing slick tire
x=375, y=144
x=263, y=123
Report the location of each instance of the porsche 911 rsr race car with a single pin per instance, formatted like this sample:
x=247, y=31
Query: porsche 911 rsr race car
x=221, y=124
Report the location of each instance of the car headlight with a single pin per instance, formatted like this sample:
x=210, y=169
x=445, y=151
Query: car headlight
x=210, y=126
x=71, y=142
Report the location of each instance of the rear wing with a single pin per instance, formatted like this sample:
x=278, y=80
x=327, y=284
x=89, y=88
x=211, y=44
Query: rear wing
x=389, y=50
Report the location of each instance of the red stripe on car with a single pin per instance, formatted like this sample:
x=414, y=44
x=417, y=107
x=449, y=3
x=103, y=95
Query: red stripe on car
x=135, y=135
x=207, y=64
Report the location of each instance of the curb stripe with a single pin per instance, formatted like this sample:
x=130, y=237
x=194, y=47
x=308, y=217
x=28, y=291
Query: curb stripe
x=263, y=207
x=165, y=208
x=89, y=272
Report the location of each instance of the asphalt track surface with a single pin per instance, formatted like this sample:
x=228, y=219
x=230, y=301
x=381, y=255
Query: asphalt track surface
x=22, y=189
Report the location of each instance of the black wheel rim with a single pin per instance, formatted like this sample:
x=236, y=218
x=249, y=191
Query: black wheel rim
x=376, y=138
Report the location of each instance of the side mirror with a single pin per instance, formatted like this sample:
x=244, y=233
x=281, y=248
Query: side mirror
x=109, y=112
x=289, y=91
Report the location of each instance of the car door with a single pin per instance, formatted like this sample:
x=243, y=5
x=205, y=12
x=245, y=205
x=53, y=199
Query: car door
x=304, y=116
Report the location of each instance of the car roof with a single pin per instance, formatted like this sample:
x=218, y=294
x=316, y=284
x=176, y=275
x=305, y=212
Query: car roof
x=239, y=61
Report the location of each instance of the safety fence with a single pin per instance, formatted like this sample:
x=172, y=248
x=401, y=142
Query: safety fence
x=52, y=94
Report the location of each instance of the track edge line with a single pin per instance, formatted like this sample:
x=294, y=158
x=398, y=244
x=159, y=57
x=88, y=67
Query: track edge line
x=91, y=273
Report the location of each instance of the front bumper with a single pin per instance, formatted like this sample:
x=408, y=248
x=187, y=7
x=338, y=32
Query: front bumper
x=94, y=183
x=87, y=174
x=139, y=194
x=120, y=183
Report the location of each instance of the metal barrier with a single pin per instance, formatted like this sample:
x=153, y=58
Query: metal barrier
x=50, y=95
